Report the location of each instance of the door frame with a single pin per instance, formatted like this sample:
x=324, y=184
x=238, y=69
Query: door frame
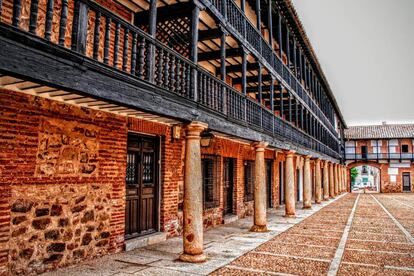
x=409, y=181
x=157, y=194
x=233, y=162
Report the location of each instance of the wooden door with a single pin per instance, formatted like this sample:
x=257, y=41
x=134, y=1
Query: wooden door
x=228, y=176
x=406, y=182
x=269, y=181
x=141, y=186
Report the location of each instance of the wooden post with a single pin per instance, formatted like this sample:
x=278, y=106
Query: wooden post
x=195, y=19
x=80, y=27
x=152, y=28
x=259, y=79
x=270, y=23
x=258, y=16
x=279, y=34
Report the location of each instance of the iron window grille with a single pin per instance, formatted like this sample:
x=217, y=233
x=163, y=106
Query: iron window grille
x=210, y=173
x=248, y=180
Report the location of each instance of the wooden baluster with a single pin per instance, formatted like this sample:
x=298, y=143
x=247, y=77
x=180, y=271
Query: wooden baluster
x=49, y=19
x=166, y=70
x=116, y=44
x=159, y=67
x=17, y=11
x=172, y=73
x=187, y=76
x=107, y=39
x=126, y=45
x=134, y=54
x=178, y=77
x=96, y=35
x=141, y=57
x=62, y=23
x=34, y=7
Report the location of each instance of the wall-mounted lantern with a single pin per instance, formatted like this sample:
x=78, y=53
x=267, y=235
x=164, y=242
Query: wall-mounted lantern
x=206, y=139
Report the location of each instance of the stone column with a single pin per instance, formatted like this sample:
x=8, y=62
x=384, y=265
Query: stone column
x=289, y=185
x=193, y=197
x=331, y=180
x=342, y=179
x=260, y=200
x=307, y=184
x=336, y=179
x=318, y=182
x=325, y=180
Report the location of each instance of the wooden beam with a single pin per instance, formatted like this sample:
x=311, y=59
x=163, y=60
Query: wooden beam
x=204, y=35
x=214, y=55
x=252, y=79
x=238, y=67
x=165, y=13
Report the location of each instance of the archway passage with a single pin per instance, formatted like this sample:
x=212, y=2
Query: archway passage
x=365, y=179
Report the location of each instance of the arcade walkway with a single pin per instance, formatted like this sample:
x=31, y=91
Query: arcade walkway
x=355, y=234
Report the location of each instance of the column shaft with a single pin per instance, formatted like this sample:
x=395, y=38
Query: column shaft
x=193, y=197
x=260, y=221
x=307, y=185
x=325, y=180
x=318, y=181
x=331, y=181
x=289, y=186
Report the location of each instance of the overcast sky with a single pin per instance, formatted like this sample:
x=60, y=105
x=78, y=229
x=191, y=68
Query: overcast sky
x=366, y=50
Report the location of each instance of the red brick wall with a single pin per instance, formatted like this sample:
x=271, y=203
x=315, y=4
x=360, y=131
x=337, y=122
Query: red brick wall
x=64, y=205
x=386, y=186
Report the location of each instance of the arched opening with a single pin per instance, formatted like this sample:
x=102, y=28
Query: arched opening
x=365, y=179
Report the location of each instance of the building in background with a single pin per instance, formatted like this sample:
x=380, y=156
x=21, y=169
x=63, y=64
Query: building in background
x=126, y=122
x=387, y=147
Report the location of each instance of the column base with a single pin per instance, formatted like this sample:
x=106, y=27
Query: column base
x=259, y=228
x=318, y=202
x=188, y=258
x=289, y=216
x=307, y=207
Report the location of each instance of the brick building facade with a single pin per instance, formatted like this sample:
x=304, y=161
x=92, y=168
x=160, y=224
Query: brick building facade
x=387, y=147
x=112, y=133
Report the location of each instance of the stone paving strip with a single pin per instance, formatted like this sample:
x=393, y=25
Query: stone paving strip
x=377, y=243
x=307, y=248
x=222, y=244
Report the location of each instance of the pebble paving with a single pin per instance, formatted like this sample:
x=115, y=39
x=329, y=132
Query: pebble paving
x=352, y=236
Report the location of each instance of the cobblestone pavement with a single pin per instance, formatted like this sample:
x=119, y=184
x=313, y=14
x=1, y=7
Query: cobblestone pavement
x=355, y=234
x=359, y=234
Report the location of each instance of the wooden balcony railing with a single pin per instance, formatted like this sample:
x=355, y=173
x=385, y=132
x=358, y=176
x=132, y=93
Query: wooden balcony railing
x=239, y=21
x=101, y=36
x=379, y=156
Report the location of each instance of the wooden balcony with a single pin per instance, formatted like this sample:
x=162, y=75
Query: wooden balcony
x=79, y=45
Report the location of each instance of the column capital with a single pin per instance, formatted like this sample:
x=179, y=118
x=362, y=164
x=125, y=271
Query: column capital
x=194, y=129
x=318, y=161
x=290, y=153
x=308, y=157
x=260, y=146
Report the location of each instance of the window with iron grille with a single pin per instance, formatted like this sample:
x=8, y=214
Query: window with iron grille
x=248, y=180
x=209, y=168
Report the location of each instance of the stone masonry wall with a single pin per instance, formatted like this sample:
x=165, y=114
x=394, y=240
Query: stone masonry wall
x=63, y=172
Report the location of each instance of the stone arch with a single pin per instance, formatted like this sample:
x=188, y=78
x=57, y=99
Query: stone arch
x=355, y=164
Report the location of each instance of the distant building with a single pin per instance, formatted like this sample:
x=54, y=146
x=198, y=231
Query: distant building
x=388, y=147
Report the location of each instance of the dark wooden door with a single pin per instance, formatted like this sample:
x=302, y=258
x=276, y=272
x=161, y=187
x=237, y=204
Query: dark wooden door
x=141, y=186
x=228, y=176
x=406, y=182
x=298, y=186
x=269, y=181
x=364, y=152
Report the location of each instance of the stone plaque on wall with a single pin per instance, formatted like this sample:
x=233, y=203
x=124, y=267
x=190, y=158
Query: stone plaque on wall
x=67, y=148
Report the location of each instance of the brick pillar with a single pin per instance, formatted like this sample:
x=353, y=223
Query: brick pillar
x=325, y=180
x=260, y=199
x=290, y=186
x=331, y=180
x=193, y=197
x=318, y=182
x=307, y=184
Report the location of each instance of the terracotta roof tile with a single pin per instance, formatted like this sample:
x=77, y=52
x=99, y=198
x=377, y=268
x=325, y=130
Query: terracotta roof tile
x=380, y=131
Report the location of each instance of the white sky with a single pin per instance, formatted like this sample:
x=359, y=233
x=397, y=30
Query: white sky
x=366, y=50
